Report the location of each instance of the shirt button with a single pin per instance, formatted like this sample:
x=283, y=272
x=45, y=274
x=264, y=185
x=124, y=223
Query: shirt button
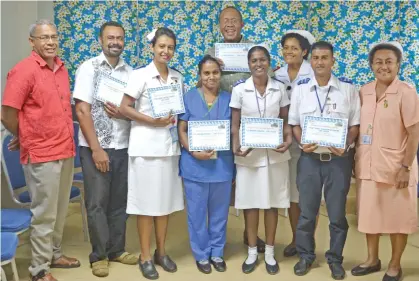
x=61, y=97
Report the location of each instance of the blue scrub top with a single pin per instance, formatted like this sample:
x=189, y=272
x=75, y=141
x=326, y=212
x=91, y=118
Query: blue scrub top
x=213, y=170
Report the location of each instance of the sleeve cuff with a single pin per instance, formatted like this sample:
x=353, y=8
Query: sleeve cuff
x=235, y=105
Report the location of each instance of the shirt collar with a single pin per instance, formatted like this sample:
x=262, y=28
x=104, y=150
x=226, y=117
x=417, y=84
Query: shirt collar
x=173, y=76
x=333, y=82
x=392, y=89
x=305, y=69
x=102, y=58
x=250, y=86
x=57, y=61
x=242, y=40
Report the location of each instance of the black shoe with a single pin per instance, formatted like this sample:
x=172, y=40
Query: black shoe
x=338, y=272
x=361, y=271
x=260, y=244
x=248, y=268
x=290, y=251
x=148, y=270
x=219, y=266
x=393, y=278
x=204, y=268
x=272, y=269
x=165, y=262
x=302, y=267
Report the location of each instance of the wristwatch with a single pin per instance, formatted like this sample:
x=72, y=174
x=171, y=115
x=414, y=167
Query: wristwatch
x=409, y=168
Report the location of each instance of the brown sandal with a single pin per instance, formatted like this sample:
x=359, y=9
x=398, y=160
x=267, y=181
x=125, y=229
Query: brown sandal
x=65, y=262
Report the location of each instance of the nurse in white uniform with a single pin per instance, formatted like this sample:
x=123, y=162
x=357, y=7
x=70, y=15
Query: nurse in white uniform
x=296, y=46
x=154, y=185
x=262, y=180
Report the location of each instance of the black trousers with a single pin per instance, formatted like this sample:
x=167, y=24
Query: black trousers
x=106, y=203
x=335, y=176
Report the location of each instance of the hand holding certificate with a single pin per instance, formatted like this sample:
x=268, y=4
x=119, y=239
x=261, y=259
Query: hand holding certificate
x=324, y=131
x=166, y=99
x=209, y=135
x=261, y=132
x=234, y=56
x=109, y=89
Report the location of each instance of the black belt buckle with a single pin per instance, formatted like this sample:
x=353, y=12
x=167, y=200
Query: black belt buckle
x=325, y=157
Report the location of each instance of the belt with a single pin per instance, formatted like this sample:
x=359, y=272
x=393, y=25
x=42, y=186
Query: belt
x=324, y=157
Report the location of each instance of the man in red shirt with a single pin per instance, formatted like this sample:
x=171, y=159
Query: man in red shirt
x=36, y=109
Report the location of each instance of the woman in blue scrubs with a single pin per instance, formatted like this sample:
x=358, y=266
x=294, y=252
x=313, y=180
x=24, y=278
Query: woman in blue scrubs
x=207, y=175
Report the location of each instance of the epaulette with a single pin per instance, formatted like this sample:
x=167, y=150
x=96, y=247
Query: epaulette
x=346, y=80
x=303, y=81
x=140, y=67
x=239, y=82
x=176, y=70
x=274, y=78
x=277, y=68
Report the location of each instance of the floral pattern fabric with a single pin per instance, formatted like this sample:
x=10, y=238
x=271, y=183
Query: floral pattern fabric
x=351, y=26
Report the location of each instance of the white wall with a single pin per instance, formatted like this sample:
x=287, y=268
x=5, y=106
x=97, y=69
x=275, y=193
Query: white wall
x=16, y=17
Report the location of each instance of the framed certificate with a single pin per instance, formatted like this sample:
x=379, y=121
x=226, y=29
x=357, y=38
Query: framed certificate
x=325, y=131
x=165, y=99
x=209, y=135
x=234, y=56
x=261, y=132
x=109, y=89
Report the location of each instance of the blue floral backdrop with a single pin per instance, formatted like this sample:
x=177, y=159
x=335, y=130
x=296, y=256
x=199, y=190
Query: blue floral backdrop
x=351, y=26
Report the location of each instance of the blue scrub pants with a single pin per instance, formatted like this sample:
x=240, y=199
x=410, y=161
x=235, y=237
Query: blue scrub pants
x=207, y=207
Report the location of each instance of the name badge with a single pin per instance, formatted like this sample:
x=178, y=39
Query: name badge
x=173, y=134
x=366, y=139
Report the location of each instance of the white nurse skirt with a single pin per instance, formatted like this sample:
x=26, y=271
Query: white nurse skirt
x=263, y=187
x=154, y=186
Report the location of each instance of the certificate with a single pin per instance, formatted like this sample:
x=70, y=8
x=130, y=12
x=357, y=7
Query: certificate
x=325, y=131
x=166, y=99
x=109, y=89
x=209, y=135
x=234, y=56
x=261, y=132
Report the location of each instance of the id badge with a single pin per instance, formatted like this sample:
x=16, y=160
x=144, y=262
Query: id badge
x=173, y=134
x=214, y=156
x=366, y=139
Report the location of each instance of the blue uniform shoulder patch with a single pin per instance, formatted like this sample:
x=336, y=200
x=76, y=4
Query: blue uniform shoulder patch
x=273, y=78
x=303, y=81
x=176, y=70
x=239, y=82
x=346, y=80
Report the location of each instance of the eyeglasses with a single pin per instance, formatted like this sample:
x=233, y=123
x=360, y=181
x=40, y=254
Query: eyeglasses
x=46, y=38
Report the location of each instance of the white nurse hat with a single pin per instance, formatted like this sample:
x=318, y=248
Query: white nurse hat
x=260, y=45
x=393, y=43
x=307, y=35
x=151, y=35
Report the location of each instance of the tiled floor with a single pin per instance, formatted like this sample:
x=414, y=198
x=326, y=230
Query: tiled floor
x=178, y=248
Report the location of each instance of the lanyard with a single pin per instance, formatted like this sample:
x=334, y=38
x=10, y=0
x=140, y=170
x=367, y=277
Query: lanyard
x=264, y=105
x=325, y=100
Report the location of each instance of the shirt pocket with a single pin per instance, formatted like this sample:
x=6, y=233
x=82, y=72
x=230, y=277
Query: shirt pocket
x=307, y=110
x=340, y=110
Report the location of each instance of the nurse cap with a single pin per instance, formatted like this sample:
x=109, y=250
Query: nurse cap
x=260, y=45
x=307, y=35
x=392, y=43
x=151, y=35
